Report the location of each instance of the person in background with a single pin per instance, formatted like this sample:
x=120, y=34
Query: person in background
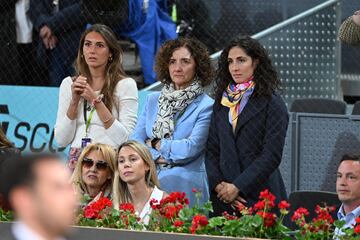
x=99, y=104
x=247, y=130
x=9, y=67
x=136, y=179
x=175, y=122
x=58, y=25
x=38, y=190
x=348, y=190
x=349, y=31
x=93, y=176
x=29, y=71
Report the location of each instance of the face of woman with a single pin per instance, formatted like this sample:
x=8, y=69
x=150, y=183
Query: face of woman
x=241, y=65
x=96, y=51
x=95, y=170
x=182, y=68
x=132, y=167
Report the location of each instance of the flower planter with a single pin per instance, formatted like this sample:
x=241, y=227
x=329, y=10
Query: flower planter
x=90, y=233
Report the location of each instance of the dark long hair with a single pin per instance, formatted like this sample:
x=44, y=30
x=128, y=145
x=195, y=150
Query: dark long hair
x=265, y=76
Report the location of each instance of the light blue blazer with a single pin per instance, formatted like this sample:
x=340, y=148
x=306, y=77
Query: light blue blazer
x=186, y=147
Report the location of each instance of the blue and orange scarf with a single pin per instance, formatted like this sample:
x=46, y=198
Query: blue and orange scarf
x=232, y=97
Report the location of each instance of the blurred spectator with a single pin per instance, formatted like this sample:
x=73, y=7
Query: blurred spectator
x=348, y=190
x=59, y=24
x=148, y=26
x=100, y=104
x=93, y=176
x=136, y=179
x=175, y=122
x=247, y=130
x=29, y=71
x=195, y=15
x=9, y=67
x=38, y=190
x=349, y=31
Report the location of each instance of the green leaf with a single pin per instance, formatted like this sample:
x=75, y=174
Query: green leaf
x=216, y=221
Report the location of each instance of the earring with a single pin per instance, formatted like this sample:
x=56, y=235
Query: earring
x=110, y=59
x=82, y=56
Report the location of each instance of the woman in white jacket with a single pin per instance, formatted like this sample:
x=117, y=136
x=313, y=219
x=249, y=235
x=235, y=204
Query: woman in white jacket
x=100, y=104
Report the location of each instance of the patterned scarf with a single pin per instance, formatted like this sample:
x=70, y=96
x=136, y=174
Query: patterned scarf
x=232, y=97
x=173, y=101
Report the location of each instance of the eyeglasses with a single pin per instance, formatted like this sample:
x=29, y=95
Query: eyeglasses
x=100, y=165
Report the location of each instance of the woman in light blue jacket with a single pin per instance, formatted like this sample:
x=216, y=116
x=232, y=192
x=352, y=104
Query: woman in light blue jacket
x=175, y=122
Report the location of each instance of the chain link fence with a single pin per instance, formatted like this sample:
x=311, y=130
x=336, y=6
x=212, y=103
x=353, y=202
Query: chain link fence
x=27, y=60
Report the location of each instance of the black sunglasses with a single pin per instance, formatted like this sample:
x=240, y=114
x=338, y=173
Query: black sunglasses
x=100, y=165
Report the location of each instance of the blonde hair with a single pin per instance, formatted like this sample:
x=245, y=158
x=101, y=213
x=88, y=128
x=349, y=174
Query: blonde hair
x=120, y=191
x=114, y=71
x=108, y=154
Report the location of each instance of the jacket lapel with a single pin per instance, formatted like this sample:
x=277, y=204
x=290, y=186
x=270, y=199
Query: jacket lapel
x=190, y=109
x=253, y=107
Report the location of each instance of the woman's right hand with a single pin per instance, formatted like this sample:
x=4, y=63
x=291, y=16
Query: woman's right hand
x=77, y=88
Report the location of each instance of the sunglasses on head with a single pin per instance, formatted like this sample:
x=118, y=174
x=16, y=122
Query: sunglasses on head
x=100, y=165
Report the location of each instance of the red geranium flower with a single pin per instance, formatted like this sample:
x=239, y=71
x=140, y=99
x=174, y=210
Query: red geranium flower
x=259, y=206
x=284, y=205
x=127, y=207
x=268, y=218
x=170, y=212
x=93, y=210
x=198, y=222
x=178, y=223
x=357, y=229
x=299, y=214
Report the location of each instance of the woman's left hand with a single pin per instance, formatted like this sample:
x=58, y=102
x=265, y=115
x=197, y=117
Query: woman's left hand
x=89, y=94
x=228, y=193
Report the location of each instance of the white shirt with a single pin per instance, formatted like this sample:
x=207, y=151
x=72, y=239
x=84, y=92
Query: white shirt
x=23, y=232
x=72, y=131
x=24, y=26
x=156, y=194
x=349, y=218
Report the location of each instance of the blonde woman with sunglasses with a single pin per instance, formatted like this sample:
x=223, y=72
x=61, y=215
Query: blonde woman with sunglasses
x=93, y=176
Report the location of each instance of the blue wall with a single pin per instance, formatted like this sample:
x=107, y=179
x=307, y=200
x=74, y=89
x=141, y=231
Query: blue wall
x=28, y=115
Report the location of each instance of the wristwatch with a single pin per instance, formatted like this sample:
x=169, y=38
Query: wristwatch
x=96, y=100
x=154, y=141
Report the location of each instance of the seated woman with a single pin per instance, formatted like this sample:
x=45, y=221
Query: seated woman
x=99, y=104
x=174, y=123
x=93, y=176
x=136, y=179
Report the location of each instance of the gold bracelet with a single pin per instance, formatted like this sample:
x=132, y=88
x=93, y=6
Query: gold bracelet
x=108, y=120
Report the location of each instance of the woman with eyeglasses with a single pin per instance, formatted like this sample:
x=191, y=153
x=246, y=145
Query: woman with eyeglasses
x=93, y=176
x=136, y=179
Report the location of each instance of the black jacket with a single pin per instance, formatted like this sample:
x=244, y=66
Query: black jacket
x=249, y=158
